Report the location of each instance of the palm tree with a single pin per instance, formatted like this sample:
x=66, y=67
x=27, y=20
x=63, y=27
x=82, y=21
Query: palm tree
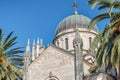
x=108, y=52
x=10, y=59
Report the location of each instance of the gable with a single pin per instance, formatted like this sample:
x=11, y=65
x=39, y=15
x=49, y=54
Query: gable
x=52, y=53
x=52, y=60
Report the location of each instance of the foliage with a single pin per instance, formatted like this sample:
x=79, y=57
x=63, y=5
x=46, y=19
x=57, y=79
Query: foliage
x=108, y=41
x=10, y=58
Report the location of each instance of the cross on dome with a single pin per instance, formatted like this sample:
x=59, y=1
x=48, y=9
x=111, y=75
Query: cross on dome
x=75, y=5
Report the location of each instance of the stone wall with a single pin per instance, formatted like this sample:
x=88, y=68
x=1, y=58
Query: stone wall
x=61, y=66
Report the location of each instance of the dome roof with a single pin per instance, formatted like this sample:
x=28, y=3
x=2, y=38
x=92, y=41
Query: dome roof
x=72, y=21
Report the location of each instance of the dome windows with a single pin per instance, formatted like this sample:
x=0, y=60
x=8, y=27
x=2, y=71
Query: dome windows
x=66, y=44
x=58, y=43
x=90, y=42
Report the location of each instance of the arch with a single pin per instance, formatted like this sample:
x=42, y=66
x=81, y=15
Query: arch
x=66, y=44
x=51, y=77
x=58, y=43
x=90, y=42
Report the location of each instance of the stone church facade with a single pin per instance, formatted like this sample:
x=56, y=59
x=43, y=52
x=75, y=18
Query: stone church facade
x=68, y=58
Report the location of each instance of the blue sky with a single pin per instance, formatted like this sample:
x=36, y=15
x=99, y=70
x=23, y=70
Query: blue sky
x=38, y=18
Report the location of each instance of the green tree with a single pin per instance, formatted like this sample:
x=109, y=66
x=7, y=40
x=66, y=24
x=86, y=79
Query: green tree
x=10, y=58
x=108, y=41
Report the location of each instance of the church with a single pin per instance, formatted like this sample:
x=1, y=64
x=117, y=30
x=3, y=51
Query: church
x=68, y=57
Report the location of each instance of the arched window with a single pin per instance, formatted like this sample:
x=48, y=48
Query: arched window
x=58, y=43
x=66, y=44
x=90, y=42
x=51, y=77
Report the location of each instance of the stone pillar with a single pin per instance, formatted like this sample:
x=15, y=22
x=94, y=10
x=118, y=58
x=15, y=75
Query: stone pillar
x=27, y=60
x=33, y=51
x=37, y=48
x=78, y=57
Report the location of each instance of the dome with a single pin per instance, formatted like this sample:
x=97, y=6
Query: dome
x=72, y=21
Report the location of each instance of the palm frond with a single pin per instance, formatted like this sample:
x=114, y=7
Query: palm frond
x=10, y=43
x=17, y=71
x=93, y=3
x=95, y=42
x=104, y=6
x=1, y=34
x=100, y=54
x=7, y=37
x=108, y=64
x=113, y=22
x=119, y=47
x=97, y=19
x=14, y=53
x=114, y=5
